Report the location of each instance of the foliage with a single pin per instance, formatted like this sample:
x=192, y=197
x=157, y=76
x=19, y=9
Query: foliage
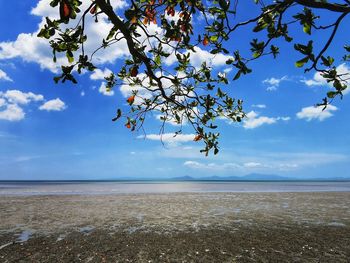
x=185, y=93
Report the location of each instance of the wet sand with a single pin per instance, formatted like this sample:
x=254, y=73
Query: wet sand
x=176, y=227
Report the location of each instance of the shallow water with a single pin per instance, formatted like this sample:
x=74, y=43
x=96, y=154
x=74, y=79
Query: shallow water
x=101, y=188
x=24, y=236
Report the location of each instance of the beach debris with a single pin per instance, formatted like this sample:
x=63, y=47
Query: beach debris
x=22, y=237
x=307, y=247
x=86, y=229
x=60, y=237
x=336, y=224
x=6, y=245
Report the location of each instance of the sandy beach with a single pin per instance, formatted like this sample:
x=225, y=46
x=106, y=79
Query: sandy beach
x=176, y=227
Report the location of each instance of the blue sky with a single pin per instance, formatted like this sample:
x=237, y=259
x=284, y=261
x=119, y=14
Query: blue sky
x=64, y=131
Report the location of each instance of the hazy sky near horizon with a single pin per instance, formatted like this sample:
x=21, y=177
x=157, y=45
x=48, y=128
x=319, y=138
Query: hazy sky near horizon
x=64, y=131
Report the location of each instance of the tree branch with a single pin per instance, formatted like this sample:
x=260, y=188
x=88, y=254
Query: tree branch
x=324, y=5
x=329, y=41
x=108, y=10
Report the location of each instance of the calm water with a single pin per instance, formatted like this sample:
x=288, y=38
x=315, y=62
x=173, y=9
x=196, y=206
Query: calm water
x=97, y=188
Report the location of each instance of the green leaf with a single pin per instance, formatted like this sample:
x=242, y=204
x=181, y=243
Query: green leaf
x=307, y=28
x=256, y=54
x=214, y=38
x=70, y=56
x=331, y=94
x=157, y=60
x=327, y=61
x=301, y=62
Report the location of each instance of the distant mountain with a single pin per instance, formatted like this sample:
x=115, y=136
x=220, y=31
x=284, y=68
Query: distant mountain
x=183, y=178
x=248, y=177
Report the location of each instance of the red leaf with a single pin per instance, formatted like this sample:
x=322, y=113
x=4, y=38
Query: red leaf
x=198, y=138
x=131, y=99
x=66, y=10
x=93, y=10
x=134, y=71
x=205, y=41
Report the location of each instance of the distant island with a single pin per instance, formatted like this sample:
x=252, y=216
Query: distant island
x=253, y=177
x=249, y=177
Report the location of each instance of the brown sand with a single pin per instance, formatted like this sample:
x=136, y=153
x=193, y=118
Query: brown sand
x=181, y=227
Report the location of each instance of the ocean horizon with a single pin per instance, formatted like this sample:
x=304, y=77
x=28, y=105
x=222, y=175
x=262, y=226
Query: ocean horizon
x=104, y=187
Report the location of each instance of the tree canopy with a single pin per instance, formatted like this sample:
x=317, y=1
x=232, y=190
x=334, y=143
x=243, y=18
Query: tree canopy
x=181, y=91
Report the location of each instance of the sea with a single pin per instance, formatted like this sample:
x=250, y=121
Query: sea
x=20, y=188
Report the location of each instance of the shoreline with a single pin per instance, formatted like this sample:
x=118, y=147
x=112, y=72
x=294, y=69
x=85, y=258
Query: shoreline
x=163, y=193
x=110, y=188
x=281, y=227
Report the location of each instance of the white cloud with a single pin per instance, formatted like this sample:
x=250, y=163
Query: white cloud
x=19, y=97
x=100, y=74
x=318, y=80
x=2, y=101
x=103, y=90
x=26, y=158
x=253, y=120
x=82, y=93
x=13, y=101
x=271, y=88
x=260, y=106
x=30, y=48
x=12, y=112
x=9, y=100
x=53, y=105
x=4, y=76
x=200, y=56
x=44, y=9
x=127, y=88
x=274, y=82
x=228, y=70
x=211, y=166
x=169, y=137
x=267, y=162
x=174, y=18
x=312, y=112
x=207, y=16
x=145, y=91
x=284, y=118
x=239, y=168
x=33, y=49
x=171, y=120
x=252, y=164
